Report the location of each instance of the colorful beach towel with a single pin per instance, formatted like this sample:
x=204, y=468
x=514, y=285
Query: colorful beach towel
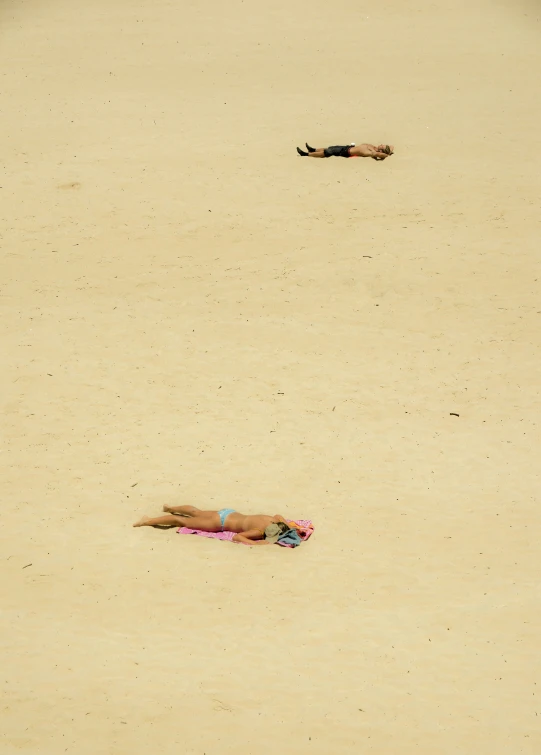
x=304, y=527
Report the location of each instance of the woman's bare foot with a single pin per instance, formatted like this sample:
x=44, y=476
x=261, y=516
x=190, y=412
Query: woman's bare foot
x=142, y=521
x=168, y=509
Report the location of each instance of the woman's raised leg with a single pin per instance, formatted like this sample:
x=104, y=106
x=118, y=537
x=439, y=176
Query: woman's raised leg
x=183, y=510
x=208, y=521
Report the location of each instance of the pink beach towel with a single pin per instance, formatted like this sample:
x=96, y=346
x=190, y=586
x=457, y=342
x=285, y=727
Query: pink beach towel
x=304, y=526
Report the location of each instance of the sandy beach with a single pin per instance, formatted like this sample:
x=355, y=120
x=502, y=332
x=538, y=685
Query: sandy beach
x=191, y=313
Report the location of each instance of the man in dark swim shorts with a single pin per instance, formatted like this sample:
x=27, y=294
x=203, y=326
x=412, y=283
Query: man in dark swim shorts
x=363, y=150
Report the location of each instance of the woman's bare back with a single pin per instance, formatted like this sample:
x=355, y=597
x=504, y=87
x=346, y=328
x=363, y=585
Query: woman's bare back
x=238, y=522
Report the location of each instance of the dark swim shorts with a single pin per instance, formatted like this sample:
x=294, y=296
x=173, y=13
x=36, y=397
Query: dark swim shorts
x=336, y=152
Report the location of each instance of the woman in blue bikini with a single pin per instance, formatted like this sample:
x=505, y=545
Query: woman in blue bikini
x=249, y=528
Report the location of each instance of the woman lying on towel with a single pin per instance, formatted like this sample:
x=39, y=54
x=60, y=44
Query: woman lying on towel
x=254, y=529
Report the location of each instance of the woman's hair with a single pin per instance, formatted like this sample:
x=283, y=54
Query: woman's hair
x=275, y=530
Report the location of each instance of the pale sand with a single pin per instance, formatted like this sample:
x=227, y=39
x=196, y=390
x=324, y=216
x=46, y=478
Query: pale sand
x=190, y=308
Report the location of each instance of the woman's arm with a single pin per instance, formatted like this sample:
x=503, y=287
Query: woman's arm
x=250, y=537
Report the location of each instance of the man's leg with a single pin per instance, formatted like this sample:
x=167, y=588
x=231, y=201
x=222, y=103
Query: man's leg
x=315, y=153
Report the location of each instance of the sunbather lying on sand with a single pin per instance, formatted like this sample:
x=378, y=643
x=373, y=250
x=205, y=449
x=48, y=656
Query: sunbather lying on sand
x=380, y=152
x=250, y=529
